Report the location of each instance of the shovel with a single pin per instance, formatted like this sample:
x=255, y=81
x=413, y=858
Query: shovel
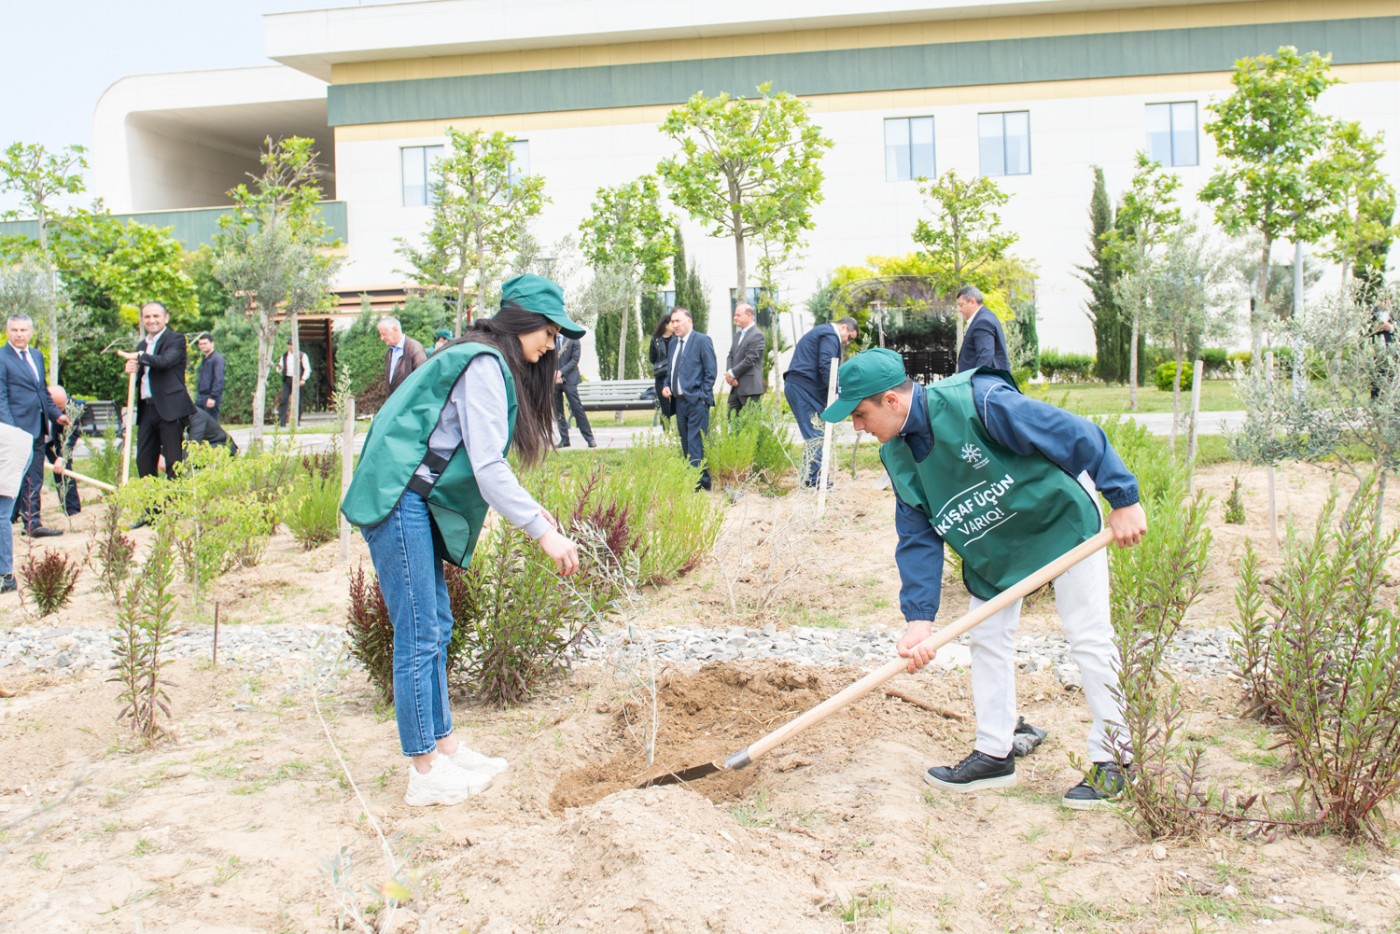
x=879, y=676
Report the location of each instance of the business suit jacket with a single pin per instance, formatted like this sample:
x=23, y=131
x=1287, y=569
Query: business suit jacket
x=745, y=361
x=411, y=359
x=984, y=343
x=210, y=384
x=696, y=369
x=167, y=369
x=810, y=367
x=24, y=402
x=569, y=353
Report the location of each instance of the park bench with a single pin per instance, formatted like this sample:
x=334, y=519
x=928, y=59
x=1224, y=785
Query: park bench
x=97, y=415
x=617, y=394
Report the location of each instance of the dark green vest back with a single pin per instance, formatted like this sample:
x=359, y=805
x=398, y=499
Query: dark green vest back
x=398, y=442
x=1005, y=514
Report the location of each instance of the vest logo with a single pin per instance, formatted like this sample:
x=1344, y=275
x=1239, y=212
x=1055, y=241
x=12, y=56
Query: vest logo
x=973, y=455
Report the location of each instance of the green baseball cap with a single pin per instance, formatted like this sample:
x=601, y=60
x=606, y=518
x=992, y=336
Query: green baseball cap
x=443, y=333
x=543, y=297
x=865, y=374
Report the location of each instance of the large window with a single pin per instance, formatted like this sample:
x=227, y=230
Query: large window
x=1171, y=133
x=1005, y=143
x=520, y=159
x=909, y=149
x=419, y=176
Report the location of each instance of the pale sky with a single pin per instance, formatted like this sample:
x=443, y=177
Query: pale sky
x=60, y=55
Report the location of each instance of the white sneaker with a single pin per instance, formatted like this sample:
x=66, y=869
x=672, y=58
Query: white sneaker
x=471, y=760
x=445, y=782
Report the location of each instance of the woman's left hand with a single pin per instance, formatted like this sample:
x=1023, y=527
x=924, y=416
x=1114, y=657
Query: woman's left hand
x=562, y=550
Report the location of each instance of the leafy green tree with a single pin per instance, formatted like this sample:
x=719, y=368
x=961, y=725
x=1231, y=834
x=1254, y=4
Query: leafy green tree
x=601, y=306
x=480, y=214
x=628, y=232
x=747, y=167
x=1145, y=219
x=1110, y=331
x=212, y=299
x=41, y=178
x=272, y=249
x=1360, y=222
x=690, y=291
x=966, y=235
x=1274, y=175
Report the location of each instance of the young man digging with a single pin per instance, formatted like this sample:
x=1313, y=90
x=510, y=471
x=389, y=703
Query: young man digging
x=1008, y=483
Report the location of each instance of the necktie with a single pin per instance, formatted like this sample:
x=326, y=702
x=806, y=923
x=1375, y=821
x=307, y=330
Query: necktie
x=676, y=368
x=32, y=368
x=146, y=376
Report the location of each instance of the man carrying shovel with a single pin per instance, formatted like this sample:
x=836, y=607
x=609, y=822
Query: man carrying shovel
x=1009, y=484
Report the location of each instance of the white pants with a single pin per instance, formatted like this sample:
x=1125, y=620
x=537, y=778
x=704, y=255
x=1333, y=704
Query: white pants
x=1081, y=598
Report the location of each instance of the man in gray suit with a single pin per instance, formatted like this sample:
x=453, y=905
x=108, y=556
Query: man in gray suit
x=743, y=370
x=566, y=380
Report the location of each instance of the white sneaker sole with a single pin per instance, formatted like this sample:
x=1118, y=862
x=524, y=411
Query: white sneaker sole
x=1086, y=804
x=1001, y=781
x=424, y=799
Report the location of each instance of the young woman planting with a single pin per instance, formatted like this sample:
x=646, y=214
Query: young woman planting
x=433, y=462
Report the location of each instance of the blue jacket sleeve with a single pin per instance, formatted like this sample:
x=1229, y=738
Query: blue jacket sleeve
x=216, y=392
x=984, y=346
x=709, y=369
x=1073, y=443
x=919, y=557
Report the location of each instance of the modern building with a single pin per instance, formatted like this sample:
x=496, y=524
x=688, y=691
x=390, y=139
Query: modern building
x=1032, y=92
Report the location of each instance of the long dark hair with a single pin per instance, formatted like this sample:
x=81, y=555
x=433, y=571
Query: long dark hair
x=661, y=325
x=534, y=382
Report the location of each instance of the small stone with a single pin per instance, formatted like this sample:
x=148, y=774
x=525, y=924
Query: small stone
x=1159, y=852
x=1229, y=891
x=1395, y=879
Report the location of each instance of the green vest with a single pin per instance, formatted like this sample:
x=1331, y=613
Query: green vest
x=1005, y=514
x=398, y=442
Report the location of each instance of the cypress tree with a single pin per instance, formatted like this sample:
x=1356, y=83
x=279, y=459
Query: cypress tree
x=690, y=291
x=1111, y=332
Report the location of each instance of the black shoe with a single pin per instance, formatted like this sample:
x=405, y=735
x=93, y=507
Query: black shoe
x=593, y=444
x=40, y=532
x=1104, y=782
x=7, y=583
x=138, y=524
x=564, y=444
x=978, y=770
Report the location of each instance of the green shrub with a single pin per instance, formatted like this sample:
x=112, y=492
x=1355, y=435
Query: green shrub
x=1165, y=375
x=1234, y=506
x=753, y=446
x=1217, y=362
x=1317, y=649
x=729, y=448
x=112, y=553
x=219, y=510
x=49, y=580
x=1066, y=367
x=105, y=460
x=370, y=633
x=313, y=508
x=144, y=615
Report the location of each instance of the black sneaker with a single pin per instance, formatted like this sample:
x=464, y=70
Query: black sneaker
x=978, y=770
x=7, y=583
x=1104, y=782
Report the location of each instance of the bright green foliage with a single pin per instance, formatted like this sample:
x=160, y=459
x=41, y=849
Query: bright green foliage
x=41, y=179
x=218, y=510
x=602, y=304
x=1317, y=649
x=273, y=247
x=1361, y=221
x=752, y=447
x=145, y=613
x=690, y=291
x=628, y=232
x=965, y=236
x=312, y=509
x=479, y=217
x=748, y=167
x=211, y=298
x=1274, y=177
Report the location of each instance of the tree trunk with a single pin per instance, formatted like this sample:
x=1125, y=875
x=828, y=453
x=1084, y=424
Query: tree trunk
x=294, y=402
x=1176, y=399
x=622, y=331
x=1133, y=367
x=461, y=303
x=1261, y=292
x=740, y=263
x=260, y=387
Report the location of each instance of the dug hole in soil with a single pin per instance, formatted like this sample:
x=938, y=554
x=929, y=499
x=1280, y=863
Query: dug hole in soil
x=243, y=819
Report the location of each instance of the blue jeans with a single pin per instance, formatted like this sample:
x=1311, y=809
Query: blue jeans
x=806, y=407
x=410, y=577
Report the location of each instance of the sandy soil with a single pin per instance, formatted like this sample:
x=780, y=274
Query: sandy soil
x=276, y=803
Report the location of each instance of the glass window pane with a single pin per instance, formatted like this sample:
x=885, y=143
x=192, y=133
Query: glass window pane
x=520, y=159
x=1159, y=133
x=415, y=183
x=896, y=150
x=921, y=162
x=431, y=154
x=1018, y=143
x=992, y=153
x=1184, y=134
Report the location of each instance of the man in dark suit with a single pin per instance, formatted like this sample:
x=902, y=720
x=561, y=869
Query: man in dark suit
x=984, y=342
x=566, y=379
x=164, y=407
x=743, y=370
x=403, y=356
x=209, y=392
x=25, y=404
x=691, y=387
x=805, y=384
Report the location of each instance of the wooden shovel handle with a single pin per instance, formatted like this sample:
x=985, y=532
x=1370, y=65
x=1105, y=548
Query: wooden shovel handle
x=129, y=427
x=943, y=636
x=80, y=478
